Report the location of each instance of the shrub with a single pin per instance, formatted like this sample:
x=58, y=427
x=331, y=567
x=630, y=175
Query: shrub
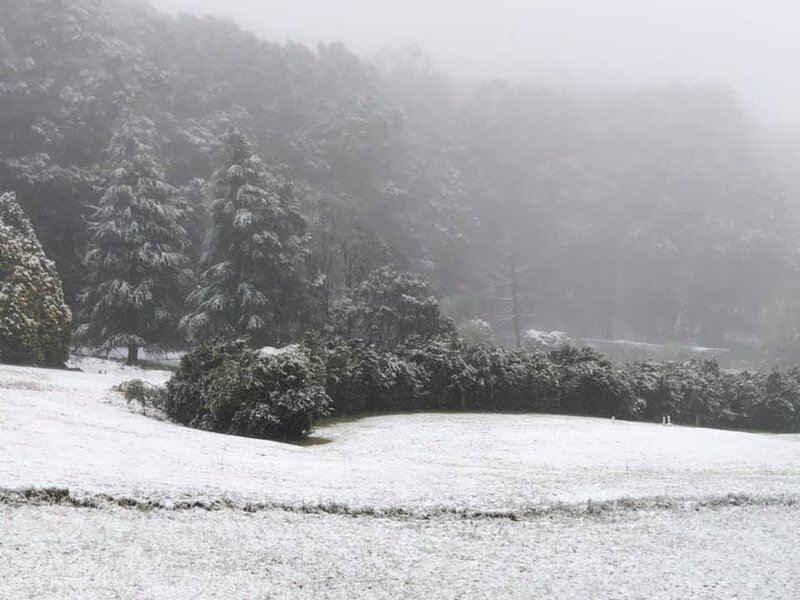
x=690, y=392
x=228, y=388
x=592, y=385
x=477, y=332
x=741, y=394
x=143, y=393
x=361, y=378
x=780, y=403
x=441, y=373
x=513, y=380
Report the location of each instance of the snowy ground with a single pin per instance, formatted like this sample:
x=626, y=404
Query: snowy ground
x=67, y=429
x=57, y=552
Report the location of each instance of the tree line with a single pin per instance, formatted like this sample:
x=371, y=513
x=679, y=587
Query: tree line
x=237, y=185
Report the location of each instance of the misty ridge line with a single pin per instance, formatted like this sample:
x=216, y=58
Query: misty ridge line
x=566, y=44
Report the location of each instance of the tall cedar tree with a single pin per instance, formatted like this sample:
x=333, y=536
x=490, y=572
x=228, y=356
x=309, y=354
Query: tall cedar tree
x=254, y=284
x=136, y=263
x=35, y=322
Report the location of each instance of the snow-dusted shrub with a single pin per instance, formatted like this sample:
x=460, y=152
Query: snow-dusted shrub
x=477, y=332
x=779, y=408
x=690, y=391
x=361, y=378
x=544, y=341
x=35, y=321
x=741, y=393
x=445, y=373
x=444, y=377
x=516, y=381
x=229, y=388
x=590, y=384
x=146, y=395
x=440, y=373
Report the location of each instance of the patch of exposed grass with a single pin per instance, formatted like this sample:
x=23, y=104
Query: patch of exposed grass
x=63, y=496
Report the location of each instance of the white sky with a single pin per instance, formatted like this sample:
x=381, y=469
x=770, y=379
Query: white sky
x=750, y=44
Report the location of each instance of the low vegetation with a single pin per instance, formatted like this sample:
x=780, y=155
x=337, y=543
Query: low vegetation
x=229, y=388
x=408, y=358
x=144, y=394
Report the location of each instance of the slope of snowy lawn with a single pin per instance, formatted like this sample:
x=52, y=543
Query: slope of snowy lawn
x=67, y=429
x=63, y=552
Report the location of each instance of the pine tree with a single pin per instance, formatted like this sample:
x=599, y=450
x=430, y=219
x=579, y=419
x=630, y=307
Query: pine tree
x=35, y=322
x=136, y=264
x=254, y=284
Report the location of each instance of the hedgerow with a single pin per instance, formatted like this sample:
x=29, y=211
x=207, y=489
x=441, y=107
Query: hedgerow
x=229, y=388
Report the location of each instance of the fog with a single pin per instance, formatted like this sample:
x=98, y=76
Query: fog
x=619, y=174
x=746, y=44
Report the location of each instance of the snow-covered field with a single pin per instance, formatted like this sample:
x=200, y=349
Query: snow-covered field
x=67, y=429
x=67, y=553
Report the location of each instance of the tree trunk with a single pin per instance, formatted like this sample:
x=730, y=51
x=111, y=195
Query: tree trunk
x=515, y=299
x=133, y=354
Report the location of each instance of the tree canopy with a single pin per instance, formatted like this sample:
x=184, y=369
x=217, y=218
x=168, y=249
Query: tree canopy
x=35, y=321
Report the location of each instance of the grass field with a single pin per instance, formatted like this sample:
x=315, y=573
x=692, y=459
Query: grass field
x=68, y=430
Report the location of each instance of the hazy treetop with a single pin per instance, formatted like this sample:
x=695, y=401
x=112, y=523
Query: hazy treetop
x=748, y=44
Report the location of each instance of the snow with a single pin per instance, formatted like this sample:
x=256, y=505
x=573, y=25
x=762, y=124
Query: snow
x=67, y=429
x=60, y=552
x=272, y=350
x=546, y=339
x=644, y=350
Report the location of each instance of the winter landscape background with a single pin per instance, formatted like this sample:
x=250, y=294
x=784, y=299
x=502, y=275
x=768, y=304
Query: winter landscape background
x=282, y=319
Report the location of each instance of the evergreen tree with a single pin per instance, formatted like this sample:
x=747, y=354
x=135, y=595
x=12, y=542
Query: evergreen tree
x=35, y=321
x=136, y=263
x=389, y=308
x=255, y=282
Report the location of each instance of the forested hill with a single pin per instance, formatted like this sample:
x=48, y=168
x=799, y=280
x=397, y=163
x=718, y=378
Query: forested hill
x=647, y=214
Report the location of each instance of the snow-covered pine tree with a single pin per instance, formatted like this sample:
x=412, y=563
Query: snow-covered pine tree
x=35, y=321
x=255, y=282
x=136, y=264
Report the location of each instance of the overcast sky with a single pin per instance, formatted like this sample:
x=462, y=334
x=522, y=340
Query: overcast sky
x=752, y=45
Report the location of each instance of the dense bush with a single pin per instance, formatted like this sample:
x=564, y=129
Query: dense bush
x=592, y=385
x=446, y=373
x=35, y=322
x=228, y=388
x=362, y=379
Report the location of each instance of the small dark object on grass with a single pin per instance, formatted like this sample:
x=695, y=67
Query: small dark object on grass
x=145, y=394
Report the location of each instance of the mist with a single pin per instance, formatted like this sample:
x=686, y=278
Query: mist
x=407, y=299
x=744, y=44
